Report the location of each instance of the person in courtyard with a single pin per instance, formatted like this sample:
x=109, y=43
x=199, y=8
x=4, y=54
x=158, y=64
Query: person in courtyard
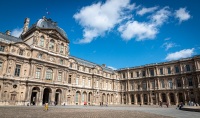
x=167, y=104
x=46, y=106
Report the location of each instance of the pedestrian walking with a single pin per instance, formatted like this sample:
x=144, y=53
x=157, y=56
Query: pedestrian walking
x=46, y=106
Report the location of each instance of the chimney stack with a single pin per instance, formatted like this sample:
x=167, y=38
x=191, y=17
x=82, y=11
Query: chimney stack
x=26, y=24
x=8, y=32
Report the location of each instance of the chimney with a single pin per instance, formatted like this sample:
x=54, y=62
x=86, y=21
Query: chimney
x=26, y=24
x=103, y=65
x=8, y=32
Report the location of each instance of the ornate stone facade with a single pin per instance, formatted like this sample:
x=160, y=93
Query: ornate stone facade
x=37, y=68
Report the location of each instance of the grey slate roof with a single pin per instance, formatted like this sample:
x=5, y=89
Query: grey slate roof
x=8, y=38
x=49, y=24
x=90, y=64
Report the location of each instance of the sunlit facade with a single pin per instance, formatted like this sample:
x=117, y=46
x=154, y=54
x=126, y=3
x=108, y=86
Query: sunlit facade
x=37, y=68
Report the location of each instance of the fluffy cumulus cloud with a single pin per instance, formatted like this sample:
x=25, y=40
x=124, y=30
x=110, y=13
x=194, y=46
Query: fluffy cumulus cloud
x=161, y=16
x=98, y=18
x=168, y=45
x=144, y=10
x=137, y=30
x=102, y=17
x=182, y=14
x=144, y=30
x=180, y=54
x=16, y=32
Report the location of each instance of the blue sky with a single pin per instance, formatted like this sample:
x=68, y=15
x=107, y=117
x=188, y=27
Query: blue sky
x=118, y=33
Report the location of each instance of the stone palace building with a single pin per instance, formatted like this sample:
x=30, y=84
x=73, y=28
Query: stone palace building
x=37, y=68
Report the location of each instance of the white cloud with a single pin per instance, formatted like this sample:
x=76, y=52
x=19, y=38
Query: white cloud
x=166, y=39
x=140, y=31
x=16, y=32
x=180, y=54
x=168, y=45
x=182, y=14
x=112, y=67
x=160, y=16
x=144, y=30
x=146, y=10
x=98, y=18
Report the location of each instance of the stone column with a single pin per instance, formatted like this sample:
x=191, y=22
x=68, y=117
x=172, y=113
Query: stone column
x=135, y=99
x=168, y=99
x=176, y=98
x=141, y=97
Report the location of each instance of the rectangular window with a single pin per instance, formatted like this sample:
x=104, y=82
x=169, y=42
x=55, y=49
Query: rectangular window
x=161, y=71
x=169, y=70
x=137, y=73
x=152, y=84
x=131, y=74
x=59, y=76
x=110, y=86
x=37, y=74
x=138, y=87
x=2, y=48
x=77, y=81
x=176, y=69
x=190, y=83
x=162, y=84
x=69, y=79
x=178, y=82
x=170, y=84
x=144, y=86
x=152, y=72
x=187, y=67
x=61, y=61
x=124, y=76
x=17, y=70
x=1, y=65
x=106, y=85
x=83, y=82
x=143, y=73
x=70, y=65
x=89, y=82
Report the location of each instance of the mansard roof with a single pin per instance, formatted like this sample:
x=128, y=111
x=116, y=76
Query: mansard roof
x=90, y=64
x=9, y=38
x=49, y=24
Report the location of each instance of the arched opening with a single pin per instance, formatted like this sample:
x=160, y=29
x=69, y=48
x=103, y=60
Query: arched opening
x=103, y=98
x=171, y=95
x=132, y=99
x=145, y=99
x=46, y=95
x=58, y=97
x=90, y=97
x=112, y=98
x=34, y=95
x=84, y=97
x=164, y=97
x=138, y=98
x=108, y=98
x=78, y=96
x=180, y=97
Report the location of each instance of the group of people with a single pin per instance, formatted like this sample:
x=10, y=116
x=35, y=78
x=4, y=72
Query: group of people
x=161, y=104
x=101, y=104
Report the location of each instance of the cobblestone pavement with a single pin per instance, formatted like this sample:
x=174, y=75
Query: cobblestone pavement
x=94, y=112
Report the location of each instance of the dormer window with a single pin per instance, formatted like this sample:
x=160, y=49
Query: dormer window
x=62, y=48
x=42, y=41
x=20, y=52
x=51, y=45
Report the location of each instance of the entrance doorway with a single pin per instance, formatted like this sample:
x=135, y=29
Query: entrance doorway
x=46, y=95
x=34, y=94
x=57, y=97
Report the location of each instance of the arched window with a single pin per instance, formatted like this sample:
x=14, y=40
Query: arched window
x=51, y=44
x=42, y=41
x=62, y=48
x=49, y=74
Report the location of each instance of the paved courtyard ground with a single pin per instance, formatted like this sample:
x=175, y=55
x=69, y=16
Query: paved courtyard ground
x=94, y=112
